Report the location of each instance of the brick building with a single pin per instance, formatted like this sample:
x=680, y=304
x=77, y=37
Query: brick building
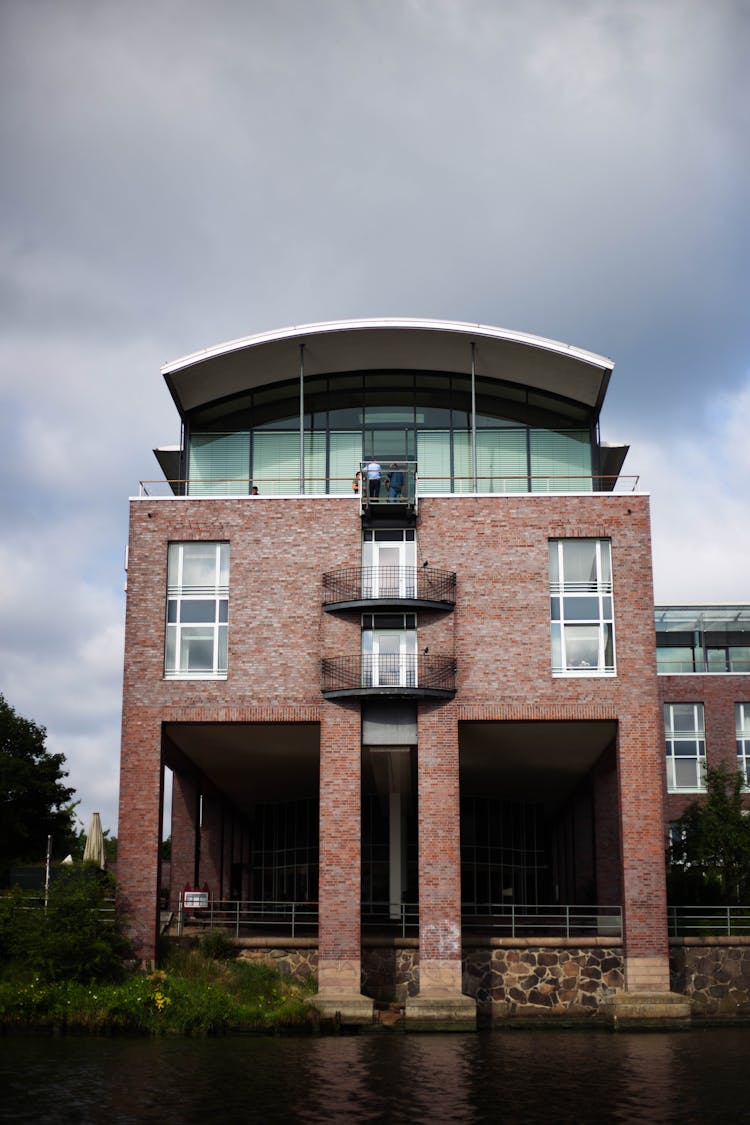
x=423, y=694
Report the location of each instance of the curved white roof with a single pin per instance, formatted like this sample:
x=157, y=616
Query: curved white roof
x=383, y=343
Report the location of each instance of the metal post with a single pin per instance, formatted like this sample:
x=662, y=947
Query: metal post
x=237, y=925
x=302, y=419
x=474, y=413
x=180, y=915
x=46, y=876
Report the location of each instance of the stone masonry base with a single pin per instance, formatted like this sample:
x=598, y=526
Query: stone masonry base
x=709, y=975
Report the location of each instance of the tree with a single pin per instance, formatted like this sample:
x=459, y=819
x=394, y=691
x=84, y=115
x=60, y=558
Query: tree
x=708, y=861
x=34, y=801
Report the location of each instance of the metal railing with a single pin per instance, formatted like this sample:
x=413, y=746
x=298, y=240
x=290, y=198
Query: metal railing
x=523, y=920
x=666, y=667
x=708, y=921
x=389, y=916
x=243, y=917
x=107, y=911
x=422, y=486
x=403, y=671
x=296, y=919
x=396, y=483
x=360, y=583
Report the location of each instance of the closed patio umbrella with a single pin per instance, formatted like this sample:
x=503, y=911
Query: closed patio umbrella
x=94, y=850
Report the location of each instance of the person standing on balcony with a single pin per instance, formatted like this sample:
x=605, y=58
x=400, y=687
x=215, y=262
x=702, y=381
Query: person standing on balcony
x=396, y=483
x=372, y=468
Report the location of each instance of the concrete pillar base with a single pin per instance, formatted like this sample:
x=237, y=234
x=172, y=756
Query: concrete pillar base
x=441, y=1013
x=352, y=1009
x=647, y=1009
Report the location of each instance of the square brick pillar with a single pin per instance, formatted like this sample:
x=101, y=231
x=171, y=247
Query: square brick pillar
x=139, y=828
x=212, y=845
x=339, y=894
x=641, y=781
x=439, y=851
x=185, y=829
x=607, y=833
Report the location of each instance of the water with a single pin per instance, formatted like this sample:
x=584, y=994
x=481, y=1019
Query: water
x=517, y=1076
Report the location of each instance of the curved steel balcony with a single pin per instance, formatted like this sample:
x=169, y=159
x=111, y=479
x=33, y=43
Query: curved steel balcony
x=414, y=676
x=402, y=587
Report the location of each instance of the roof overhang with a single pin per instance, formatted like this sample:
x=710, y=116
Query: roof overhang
x=388, y=344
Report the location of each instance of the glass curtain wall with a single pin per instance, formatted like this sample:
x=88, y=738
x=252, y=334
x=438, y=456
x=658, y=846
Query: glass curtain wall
x=524, y=441
x=503, y=857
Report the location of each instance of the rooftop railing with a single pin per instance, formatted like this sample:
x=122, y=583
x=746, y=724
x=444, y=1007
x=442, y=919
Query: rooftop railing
x=424, y=486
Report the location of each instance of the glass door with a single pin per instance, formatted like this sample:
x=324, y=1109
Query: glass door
x=389, y=650
x=389, y=563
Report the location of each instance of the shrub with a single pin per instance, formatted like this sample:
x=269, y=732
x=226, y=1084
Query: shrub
x=77, y=938
x=217, y=946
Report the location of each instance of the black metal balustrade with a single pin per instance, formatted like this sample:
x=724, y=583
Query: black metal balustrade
x=426, y=586
x=392, y=674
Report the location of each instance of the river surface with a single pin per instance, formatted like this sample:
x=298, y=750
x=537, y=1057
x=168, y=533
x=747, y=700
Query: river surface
x=509, y=1076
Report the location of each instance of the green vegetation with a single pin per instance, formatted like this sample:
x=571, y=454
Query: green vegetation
x=34, y=802
x=192, y=995
x=77, y=938
x=708, y=861
x=62, y=969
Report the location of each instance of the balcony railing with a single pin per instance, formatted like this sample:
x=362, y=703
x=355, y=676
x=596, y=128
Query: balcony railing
x=350, y=586
x=395, y=484
x=424, y=486
x=391, y=674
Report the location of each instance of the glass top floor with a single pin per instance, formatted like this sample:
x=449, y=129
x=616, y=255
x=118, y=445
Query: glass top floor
x=703, y=638
x=312, y=436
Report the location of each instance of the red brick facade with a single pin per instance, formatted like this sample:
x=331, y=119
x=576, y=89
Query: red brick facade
x=499, y=633
x=718, y=693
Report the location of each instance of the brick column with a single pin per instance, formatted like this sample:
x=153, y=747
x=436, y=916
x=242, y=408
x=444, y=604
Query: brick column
x=339, y=894
x=212, y=842
x=439, y=852
x=641, y=779
x=139, y=828
x=185, y=809
x=606, y=833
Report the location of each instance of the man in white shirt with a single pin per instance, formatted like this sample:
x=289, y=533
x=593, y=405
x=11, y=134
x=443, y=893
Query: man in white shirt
x=373, y=477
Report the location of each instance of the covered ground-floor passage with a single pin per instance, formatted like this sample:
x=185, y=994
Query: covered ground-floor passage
x=537, y=819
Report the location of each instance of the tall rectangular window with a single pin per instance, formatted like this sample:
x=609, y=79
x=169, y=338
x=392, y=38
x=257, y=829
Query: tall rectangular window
x=581, y=612
x=686, y=747
x=197, y=611
x=742, y=723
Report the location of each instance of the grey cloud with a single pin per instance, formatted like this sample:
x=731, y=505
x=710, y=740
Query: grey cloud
x=178, y=174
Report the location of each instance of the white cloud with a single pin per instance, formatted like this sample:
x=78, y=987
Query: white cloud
x=698, y=481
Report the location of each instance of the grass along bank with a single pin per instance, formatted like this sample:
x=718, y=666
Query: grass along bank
x=199, y=991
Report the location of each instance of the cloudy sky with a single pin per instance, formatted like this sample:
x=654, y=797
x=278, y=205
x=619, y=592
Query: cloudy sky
x=177, y=173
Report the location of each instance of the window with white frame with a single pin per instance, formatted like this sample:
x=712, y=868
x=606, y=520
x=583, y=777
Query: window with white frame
x=742, y=723
x=389, y=558
x=686, y=747
x=197, y=611
x=581, y=613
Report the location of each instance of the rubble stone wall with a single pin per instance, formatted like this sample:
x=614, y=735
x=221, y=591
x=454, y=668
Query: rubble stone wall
x=715, y=976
